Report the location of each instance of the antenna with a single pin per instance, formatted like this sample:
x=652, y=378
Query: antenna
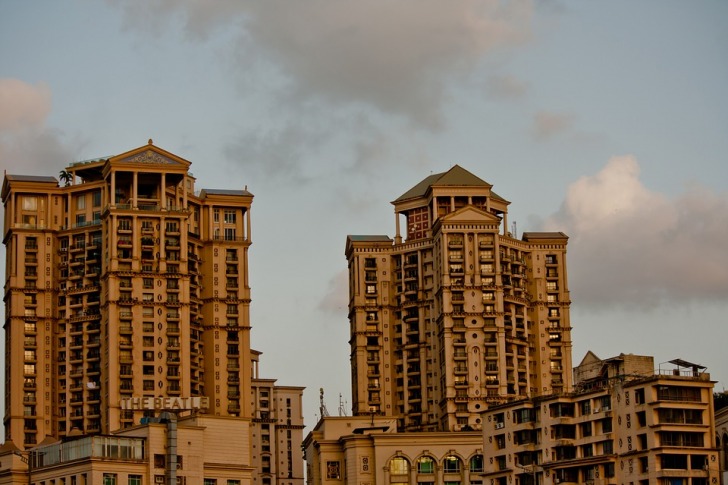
x=342, y=406
x=322, y=405
x=514, y=231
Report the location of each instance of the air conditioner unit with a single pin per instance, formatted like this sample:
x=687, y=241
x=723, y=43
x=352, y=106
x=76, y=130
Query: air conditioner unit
x=159, y=479
x=499, y=425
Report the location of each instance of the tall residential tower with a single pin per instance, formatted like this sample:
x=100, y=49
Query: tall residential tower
x=124, y=281
x=457, y=314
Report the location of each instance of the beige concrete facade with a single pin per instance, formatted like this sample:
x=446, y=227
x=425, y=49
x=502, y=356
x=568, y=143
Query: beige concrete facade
x=721, y=441
x=456, y=313
x=626, y=423
x=211, y=450
x=127, y=281
x=369, y=450
x=277, y=431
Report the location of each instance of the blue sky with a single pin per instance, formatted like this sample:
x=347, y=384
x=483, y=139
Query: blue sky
x=605, y=120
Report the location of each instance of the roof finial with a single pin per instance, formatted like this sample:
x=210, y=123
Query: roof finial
x=151, y=142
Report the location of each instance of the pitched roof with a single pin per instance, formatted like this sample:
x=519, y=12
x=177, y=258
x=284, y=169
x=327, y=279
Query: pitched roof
x=375, y=238
x=223, y=192
x=32, y=178
x=543, y=235
x=456, y=176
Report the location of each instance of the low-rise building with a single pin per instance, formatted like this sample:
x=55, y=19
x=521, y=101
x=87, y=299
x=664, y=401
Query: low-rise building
x=624, y=423
x=368, y=450
x=210, y=450
x=277, y=430
x=721, y=440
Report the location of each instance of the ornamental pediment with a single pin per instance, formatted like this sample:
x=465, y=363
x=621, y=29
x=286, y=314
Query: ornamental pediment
x=470, y=214
x=151, y=157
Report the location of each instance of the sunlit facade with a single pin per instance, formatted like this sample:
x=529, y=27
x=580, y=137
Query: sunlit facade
x=456, y=313
x=124, y=280
x=625, y=422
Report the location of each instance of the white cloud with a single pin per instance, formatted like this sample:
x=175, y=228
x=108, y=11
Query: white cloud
x=547, y=125
x=27, y=146
x=396, y=57
x=505, y=86
x=635, y=247
x=22, y=105
x=336, y=299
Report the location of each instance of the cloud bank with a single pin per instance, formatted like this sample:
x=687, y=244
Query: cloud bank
x=395, y=57
x=26, y=144
x=633, y=247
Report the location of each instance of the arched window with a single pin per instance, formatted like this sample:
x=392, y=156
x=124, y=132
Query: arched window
x=398, y=466
x=425, y=464
x=451, y=464
x=476, y=464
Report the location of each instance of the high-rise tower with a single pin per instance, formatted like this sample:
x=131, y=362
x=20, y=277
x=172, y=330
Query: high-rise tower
x=124, y=281
x=459, y=313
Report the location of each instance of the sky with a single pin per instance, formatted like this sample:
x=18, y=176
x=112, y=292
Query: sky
x=607, y=121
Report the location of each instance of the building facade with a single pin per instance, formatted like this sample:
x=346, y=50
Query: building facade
x=126, y=281
x=369, y=450
x=721, y=441
x=624, y=423
x=210, y=450
x=276, y=431
x=458, y=313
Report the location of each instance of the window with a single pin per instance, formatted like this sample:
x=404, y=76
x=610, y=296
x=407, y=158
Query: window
x=233, y=482
x=607, y=447
x=81, y=202
x=451, y=464
x=216, y=215
x=30, y=203
x=109, y=478
x=209, y=481
x=229, y=216
x=96, y=198
x=476, y=464
x=333, y=470
x=160, y=461
x=676, y=393
x=425, y=464
x=371, y=289
x=398, y=466
x=135, y=480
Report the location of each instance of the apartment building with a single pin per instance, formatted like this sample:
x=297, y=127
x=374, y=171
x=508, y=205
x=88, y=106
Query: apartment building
x=456, y=313
x=721, y=441
x=625, y=422
x=276, y=430
x=207, y=452
x=124, y=281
